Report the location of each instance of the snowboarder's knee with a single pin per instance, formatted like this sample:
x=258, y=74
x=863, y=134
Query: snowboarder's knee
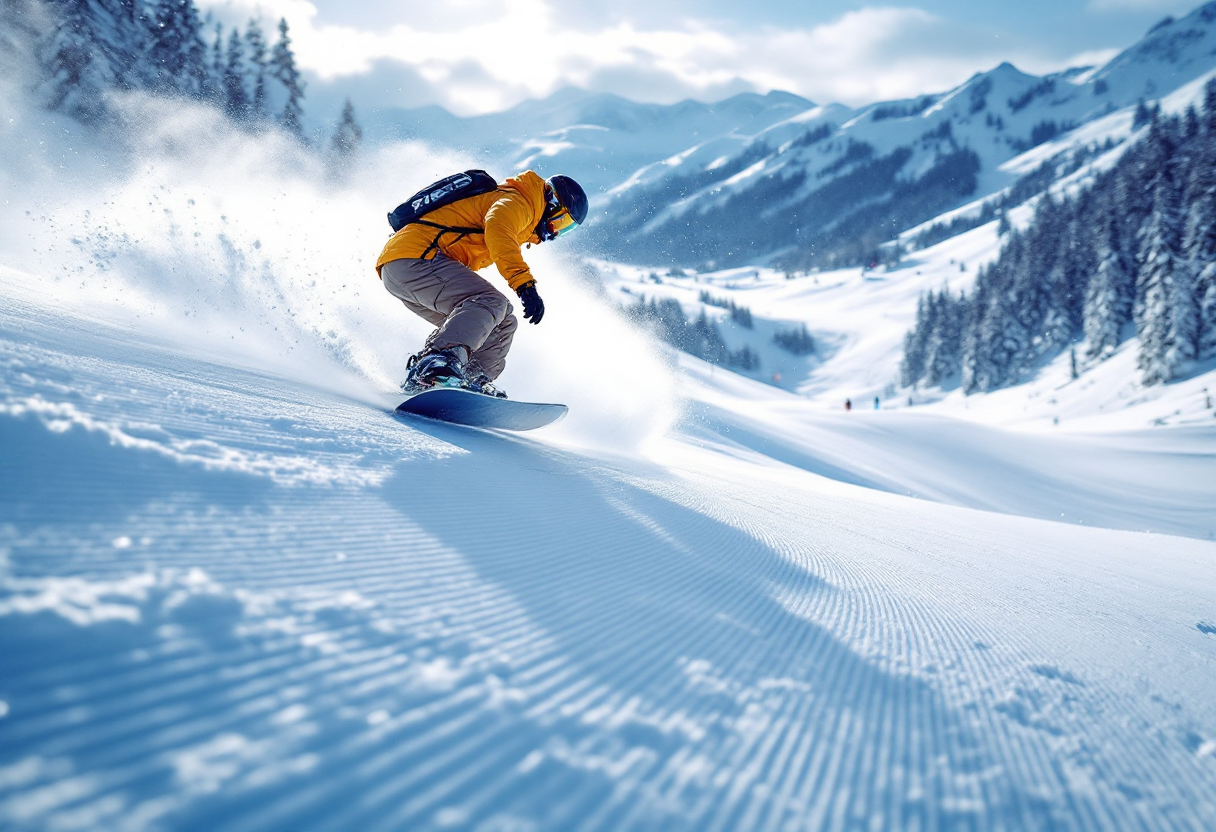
x=494, y=303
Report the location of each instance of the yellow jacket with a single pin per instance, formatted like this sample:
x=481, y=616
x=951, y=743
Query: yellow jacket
x=509, y=217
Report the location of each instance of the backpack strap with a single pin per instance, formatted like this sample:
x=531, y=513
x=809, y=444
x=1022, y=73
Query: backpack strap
x=459, y=231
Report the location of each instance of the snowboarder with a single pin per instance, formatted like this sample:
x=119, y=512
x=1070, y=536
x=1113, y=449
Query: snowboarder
x=430, y=265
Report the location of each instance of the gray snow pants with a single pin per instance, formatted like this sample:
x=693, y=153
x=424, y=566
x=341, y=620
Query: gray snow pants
x=467, y=310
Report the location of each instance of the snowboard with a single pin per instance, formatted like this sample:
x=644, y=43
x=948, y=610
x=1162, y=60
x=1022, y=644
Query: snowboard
x=464, y=407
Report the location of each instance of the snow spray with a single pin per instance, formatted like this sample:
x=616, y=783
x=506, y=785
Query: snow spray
x=251, y=249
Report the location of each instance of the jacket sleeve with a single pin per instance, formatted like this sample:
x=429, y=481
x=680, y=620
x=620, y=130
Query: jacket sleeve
x=508, y=221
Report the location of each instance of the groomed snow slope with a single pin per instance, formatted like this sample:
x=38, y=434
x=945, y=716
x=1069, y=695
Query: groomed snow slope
x=236, y=593
x=234, y=600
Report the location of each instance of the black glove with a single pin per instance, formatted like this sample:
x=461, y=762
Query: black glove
x=534, y=307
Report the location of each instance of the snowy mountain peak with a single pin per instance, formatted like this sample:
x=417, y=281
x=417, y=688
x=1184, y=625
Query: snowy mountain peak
x=1186, y=46
x=1003, y=70
x=827, y=186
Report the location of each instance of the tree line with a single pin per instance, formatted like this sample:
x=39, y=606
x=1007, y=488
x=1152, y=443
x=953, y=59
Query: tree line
x=699, y=337
x=1131, y=255
x=78, y=50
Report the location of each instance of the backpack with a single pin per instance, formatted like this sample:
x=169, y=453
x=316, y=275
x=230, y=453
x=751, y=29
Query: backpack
x=444, y=192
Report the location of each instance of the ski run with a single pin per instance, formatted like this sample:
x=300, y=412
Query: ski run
x=237, y=592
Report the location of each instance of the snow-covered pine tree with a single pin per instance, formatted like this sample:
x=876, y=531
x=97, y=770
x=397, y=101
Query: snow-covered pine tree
x=1109, y=295
x=1066, y=276
x=943, y=352
x=95, y=46
x=236, y=95
x=258, y=68
x=1144, y=114
x=1137, y=173
x=1190, y=124
x=970, y=322
x=1000, y=340
x=912, y=367
x=1033, y=266
x=348, y=135
x=1209, y=107
x=215, y=67
x=1205, y=299
x=176, y=53
x=283, y=69
x=1199, y=242
x=1166, y=319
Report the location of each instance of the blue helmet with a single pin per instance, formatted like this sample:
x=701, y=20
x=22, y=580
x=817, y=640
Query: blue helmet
x=571, y=195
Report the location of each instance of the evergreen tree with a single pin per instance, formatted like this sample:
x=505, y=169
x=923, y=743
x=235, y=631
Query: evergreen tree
x=1108, y=298
x=1001, y=341
x=1190, y=124
x=1205, y=299
x=176, y=53
x=943, y=352
x=94, y=47
x=1143, y=115
x=283, y=68
x=1167, y=320
x=258, y=68
x=912, y=367
x=1199, y=244
x=1066, y=272
x=1209, y=107
x=198, y=74
x=236, y=96
x=348, y=135
x=215, y=74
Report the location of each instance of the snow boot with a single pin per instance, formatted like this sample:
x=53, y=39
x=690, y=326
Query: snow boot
x=436, y=368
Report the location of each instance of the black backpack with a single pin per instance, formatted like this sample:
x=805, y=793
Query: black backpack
x=444, y=192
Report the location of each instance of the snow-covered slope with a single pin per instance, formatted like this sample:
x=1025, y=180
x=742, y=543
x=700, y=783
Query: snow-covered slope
x=236, y=593
x=230, y=599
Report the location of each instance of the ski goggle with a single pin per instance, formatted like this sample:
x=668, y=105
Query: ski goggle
x=559, y=224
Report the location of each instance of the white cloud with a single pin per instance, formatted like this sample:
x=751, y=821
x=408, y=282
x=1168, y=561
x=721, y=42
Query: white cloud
x=510, y=50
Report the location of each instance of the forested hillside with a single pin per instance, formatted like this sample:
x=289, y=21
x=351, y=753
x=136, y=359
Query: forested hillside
x=72, y=53
x=1134, y=254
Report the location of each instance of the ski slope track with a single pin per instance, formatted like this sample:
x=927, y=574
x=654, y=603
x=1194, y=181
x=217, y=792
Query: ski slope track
x=234, y=600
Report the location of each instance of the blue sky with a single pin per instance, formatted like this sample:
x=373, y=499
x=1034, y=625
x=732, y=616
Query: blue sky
x=474, y=56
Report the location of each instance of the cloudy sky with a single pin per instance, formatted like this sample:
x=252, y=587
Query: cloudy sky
x=476, y=56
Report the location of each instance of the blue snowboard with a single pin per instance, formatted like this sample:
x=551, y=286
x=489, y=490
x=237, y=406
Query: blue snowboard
x=464, y=407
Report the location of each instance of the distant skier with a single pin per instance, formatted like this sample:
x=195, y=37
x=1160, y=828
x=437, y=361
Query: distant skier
x=430, y=265
x=848, y=404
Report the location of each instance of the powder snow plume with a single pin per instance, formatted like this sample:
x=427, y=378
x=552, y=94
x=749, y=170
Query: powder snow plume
x=251, y=249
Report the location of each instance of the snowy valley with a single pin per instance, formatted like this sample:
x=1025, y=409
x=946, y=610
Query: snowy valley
x=237, y=592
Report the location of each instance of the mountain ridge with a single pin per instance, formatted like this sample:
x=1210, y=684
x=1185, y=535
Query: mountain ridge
x=777, y=199
x=747, y=179
x=602, y=136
